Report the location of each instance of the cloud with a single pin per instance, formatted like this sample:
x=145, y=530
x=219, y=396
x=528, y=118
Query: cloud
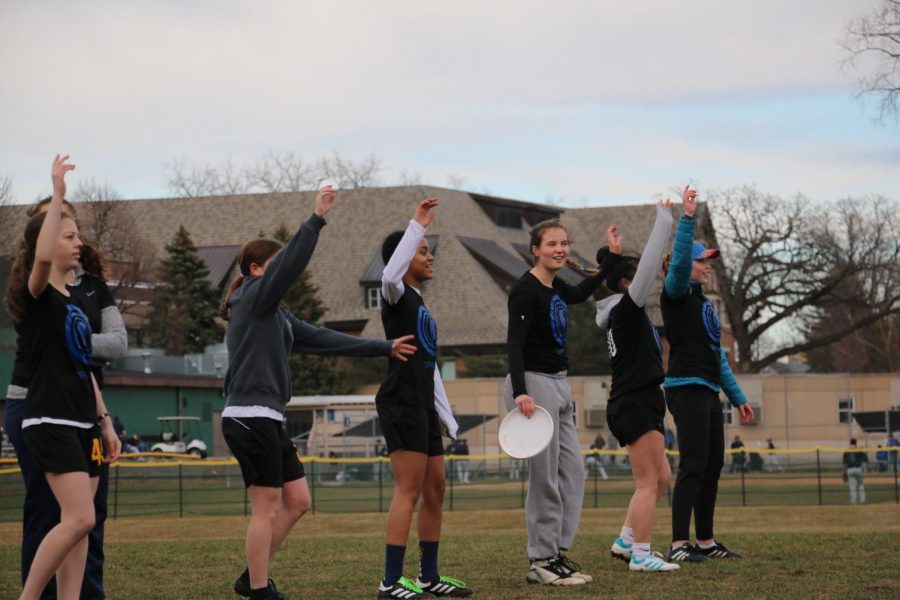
x=501, y=91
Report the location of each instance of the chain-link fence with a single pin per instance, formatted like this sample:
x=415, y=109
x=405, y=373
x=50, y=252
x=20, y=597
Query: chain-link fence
x=146, y=485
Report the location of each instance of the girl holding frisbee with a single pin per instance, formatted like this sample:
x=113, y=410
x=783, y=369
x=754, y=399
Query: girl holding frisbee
x=40, y=511
x=413, y=409
x=63, y=405
x=698, y=370
x=636, y=406
x=261, y=335
x=536, y=346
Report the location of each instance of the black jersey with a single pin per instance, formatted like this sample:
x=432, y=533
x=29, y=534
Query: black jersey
x=635, y=352
x=694, y=333
x=59, y=358
x=538, y=325
x=92, y=296
x=410, y=383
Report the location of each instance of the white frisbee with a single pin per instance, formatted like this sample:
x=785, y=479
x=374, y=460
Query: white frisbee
x=521, y=437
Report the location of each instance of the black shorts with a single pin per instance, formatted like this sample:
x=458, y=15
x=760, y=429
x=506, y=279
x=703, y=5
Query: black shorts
x=633, y=414
x=411, y=428
x=264, y=451
x=64, y=448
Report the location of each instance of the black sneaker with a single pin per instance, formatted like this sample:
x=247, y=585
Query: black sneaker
x=242, y=584
x=445, y=586
x=402, y=589
x=718, y=551
x=242, y=587
x=687, y=553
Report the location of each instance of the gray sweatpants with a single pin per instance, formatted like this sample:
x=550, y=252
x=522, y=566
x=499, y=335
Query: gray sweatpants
x=556, y=475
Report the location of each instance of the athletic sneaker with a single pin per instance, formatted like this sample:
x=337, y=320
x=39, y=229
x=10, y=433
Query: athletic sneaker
x=652, y=562
x=718, y=551
x=446, y=586
x=551, y=571
x=620, y=550
x=574, y=568
x=687, y=553
x=242, y=585
x=402, y=589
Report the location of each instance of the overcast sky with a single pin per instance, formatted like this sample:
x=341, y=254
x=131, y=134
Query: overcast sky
x=598, y=102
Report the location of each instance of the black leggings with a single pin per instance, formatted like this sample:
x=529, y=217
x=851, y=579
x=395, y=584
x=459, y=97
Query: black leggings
x=701, y=445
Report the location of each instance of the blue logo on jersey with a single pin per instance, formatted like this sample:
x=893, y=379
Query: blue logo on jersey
x=711, y=322
x=426, y=330
x=78, y=337
x=559, y=320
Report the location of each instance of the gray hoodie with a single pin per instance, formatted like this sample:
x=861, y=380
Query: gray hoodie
x=261, y=334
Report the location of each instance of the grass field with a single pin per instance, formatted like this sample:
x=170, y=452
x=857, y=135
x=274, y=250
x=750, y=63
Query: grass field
x=791, y=552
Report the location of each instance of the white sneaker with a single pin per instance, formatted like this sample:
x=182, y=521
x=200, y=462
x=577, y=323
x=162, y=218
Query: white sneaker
x=652, y=562
x=620, y=550
x=551, y=572
x=574, y=568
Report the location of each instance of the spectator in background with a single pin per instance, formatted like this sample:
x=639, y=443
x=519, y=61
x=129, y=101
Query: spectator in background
x=462, y=449
x=881, y=457
x=771, y=458
x=893, y=442
x=594, y=460
x=738, y=459
x=856, y=460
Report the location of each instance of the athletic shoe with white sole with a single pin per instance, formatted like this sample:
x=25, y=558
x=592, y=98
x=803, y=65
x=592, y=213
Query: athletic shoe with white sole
x=402, y=589
x=652, y=562
x=718, y=551
x=446, y=587
x=687, y=553
x=620, y=550
x=551, y=572
x=574, y=568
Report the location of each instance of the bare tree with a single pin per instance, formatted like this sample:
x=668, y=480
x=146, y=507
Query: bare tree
x=876, y=36
x=455, y=181
x=130, y=257
x=787, y=262
x=275, y=172
x=347, y=173
x=7, y=198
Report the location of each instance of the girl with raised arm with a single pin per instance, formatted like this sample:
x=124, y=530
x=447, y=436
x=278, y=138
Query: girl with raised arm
x=536, y=347
x=260, y=337
x=413, y=409
x=63, y=405
x=636, y=406
x=109, y=341
x=698, y=370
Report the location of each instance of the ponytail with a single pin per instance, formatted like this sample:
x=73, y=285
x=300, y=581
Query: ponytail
x=581, y=268
x=253, y=252
x=225, y=305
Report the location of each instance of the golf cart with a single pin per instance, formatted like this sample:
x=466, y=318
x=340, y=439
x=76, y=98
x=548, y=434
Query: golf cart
x=181, y=435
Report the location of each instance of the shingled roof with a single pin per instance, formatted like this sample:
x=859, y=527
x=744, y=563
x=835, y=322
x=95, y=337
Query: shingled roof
x=475, y=258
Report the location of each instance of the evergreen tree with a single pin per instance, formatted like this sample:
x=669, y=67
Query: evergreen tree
x=310, y=374
x=182, y=315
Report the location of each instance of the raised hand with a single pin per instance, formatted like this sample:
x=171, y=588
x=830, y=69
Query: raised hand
x=324, y=200
x=425, y=211
x=689, y=201
x=614, y=239
x=58, y=175
x=400, y=349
